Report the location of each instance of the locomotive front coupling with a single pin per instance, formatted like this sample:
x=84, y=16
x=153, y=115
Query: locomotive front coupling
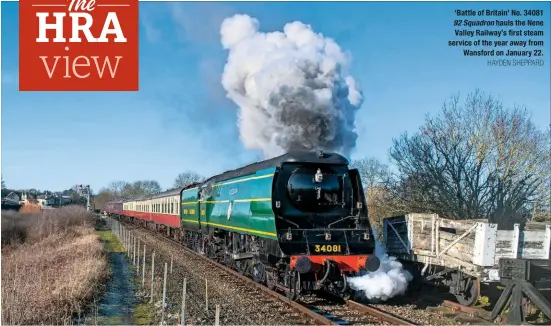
x=329, y=267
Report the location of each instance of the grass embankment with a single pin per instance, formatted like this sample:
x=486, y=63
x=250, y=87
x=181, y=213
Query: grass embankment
x=53, y=265
x=141, y=314
x=110, y=241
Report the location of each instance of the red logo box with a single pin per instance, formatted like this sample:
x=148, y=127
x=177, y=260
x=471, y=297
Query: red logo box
x=78, y=45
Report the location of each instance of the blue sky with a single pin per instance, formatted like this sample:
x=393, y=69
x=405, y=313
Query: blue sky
x=181, y=120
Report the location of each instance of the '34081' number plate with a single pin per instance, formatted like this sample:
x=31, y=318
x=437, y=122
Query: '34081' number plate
x=328, y=248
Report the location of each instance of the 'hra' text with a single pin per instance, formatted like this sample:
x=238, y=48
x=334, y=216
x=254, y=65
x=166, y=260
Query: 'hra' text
x=82, y=23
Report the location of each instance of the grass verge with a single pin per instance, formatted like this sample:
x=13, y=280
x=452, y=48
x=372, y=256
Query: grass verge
x=53, y=266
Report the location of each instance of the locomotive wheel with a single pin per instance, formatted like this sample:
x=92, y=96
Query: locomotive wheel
x=469, y=297
x=271, y=280
x=241, y=267
x=258, y=273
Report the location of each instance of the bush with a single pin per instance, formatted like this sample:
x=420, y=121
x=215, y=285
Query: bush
x=18, y=227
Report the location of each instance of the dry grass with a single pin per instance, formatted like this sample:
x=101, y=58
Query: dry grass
x=52, y=265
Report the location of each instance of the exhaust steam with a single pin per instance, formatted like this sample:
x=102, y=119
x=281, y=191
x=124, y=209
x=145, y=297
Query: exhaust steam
x=390, y=280
x=291, y=88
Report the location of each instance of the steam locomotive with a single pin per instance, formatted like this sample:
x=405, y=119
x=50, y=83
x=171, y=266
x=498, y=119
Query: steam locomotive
x=297, y=222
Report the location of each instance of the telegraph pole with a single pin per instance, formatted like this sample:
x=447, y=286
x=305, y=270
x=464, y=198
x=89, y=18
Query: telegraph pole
x=84, y=190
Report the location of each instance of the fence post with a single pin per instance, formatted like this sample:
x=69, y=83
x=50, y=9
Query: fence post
x=164, y=295
x=206, y=295
x=183, y=312
x=152, y=276
x=143, y=267
x=217, y=316
x=138, y=258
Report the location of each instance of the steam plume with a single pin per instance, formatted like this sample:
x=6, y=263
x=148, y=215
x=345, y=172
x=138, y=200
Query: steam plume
x=290, y=88
x=388, y=281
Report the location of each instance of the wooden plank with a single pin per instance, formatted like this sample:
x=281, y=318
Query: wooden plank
x=532, y=236
x=457, y=224
x=469, y=238
x=535, y=226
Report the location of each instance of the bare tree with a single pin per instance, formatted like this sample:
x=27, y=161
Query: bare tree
x=117, y=188
x=474, y=160
x=375, y=177
x=372, y=172
x=187, y=178
x=104, y=195
x=140, y=188
x=126, y=190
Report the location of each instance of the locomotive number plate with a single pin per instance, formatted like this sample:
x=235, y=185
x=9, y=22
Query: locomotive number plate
x=327, y=248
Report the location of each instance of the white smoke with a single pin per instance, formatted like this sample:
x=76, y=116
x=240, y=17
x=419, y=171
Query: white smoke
x=290, y=88
x=388, y=281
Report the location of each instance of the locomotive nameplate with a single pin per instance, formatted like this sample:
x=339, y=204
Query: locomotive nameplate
x=328, y=248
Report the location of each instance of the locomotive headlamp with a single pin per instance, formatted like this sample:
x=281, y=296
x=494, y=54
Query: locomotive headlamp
x=289, y=235
x=328, y=236
x=366, y=236
x=318, y=177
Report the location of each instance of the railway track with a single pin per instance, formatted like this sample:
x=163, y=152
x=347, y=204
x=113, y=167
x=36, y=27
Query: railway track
x=351, y=312
x=313, y=310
